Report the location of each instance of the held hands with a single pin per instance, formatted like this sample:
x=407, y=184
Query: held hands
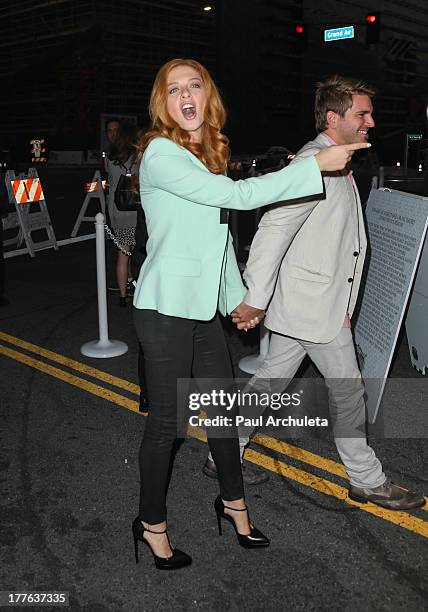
x=246, y=317
x=337, y=156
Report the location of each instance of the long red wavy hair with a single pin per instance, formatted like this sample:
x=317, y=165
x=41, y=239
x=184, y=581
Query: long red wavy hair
x=213, y=151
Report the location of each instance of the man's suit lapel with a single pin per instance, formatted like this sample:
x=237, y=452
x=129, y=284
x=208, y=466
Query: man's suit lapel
x=323, y=142
x=354, y=196
x=352, y=202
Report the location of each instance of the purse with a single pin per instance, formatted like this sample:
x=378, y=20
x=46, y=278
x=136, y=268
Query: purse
x=125, y=197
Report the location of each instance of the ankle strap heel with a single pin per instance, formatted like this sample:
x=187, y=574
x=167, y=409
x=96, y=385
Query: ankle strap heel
x=235, y=509
x=178, y=558
x=255, y=539
x=156, y=532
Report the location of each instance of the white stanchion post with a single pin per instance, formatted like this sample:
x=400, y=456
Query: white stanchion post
x=104, y=347
x=251, y=363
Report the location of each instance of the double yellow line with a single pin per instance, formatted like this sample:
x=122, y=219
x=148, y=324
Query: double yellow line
x=69, y=378
x=273, y=464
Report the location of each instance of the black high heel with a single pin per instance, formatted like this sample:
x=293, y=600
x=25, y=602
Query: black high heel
x=123, y=302
x=178, y=558
x=255, y=539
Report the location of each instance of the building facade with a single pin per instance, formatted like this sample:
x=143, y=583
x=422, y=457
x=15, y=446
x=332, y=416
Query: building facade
x=64, y=62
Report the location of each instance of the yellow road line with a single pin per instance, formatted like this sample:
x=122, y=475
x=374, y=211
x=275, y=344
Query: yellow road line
x=301, y=455
x=111, y=396
x=277, y=466
x=279, y=446
x=402, y=519
x=72, y=363
x=305, y=456
x=197, y=433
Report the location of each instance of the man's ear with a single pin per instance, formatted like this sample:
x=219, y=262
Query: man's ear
x=331, y=119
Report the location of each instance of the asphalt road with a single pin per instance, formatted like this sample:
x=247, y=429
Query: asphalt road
x=69, y=479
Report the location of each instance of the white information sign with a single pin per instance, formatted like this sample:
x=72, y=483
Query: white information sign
x=396, y=228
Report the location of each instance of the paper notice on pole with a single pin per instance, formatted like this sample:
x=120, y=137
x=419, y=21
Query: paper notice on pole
x=396, y=228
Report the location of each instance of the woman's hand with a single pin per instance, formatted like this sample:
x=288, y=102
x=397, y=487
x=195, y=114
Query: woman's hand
x=247, y=317
x=337, y=156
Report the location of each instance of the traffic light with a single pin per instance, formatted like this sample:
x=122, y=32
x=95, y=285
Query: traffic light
x=300, y=36
x=372, y=28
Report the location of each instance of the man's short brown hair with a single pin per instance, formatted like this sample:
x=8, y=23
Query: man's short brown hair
x=335, y=94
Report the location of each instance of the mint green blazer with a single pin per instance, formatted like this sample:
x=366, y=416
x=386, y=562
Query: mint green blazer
x=191, y=269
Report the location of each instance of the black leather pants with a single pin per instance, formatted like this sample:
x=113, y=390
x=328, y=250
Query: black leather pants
x=179, y=348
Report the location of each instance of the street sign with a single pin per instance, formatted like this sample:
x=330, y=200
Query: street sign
x=339, y=33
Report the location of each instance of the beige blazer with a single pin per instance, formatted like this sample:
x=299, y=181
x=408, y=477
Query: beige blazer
x=307, y=257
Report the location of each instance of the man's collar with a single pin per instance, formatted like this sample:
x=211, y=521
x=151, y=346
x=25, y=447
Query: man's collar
x=329, y=138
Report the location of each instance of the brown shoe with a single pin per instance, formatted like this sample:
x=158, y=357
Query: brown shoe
x=210, y=469
x=387, y=495
x=253, y=475
x=250, y=475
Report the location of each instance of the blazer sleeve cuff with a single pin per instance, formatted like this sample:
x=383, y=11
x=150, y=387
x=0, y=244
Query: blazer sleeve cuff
x=256, y=300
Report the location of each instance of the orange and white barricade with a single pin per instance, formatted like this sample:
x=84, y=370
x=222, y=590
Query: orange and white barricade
x=31, y=212
x=94, y=190
x=93, y=186
x=27, y=190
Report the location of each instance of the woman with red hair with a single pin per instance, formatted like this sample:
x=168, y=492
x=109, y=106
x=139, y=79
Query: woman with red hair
x=189, y=274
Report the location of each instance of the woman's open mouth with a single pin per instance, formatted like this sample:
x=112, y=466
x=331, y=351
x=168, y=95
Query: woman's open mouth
x=189, y=111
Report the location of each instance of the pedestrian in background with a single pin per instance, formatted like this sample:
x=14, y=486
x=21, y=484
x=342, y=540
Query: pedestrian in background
x=122, y=160
x=189, y=273
x=111, y=127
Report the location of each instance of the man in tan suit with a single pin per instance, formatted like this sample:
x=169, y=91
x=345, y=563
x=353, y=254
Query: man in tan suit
x=304, y=270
